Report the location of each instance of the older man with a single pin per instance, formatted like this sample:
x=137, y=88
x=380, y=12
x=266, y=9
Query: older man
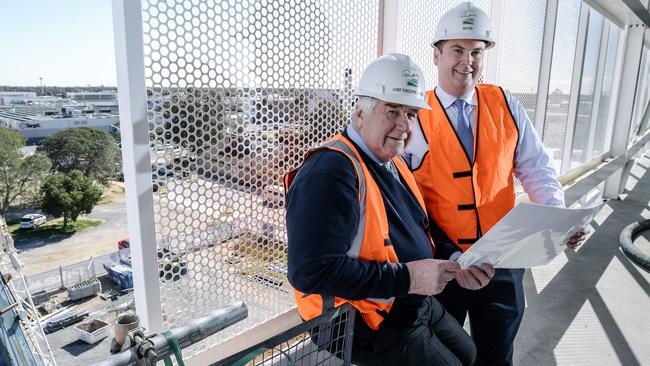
x=358, y=230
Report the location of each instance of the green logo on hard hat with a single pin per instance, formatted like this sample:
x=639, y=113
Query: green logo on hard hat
x=411, y=77
x=468, y=21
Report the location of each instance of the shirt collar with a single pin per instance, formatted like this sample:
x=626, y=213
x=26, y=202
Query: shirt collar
x=357, y=139
x=447, y=100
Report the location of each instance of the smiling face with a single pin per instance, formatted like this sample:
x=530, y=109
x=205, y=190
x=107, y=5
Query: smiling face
x=460, y=64
x=386, y=129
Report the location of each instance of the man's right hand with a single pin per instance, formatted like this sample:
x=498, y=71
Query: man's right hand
x=430, y=276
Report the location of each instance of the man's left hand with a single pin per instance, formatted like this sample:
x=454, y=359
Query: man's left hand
x=475, y=277
x=576, y=240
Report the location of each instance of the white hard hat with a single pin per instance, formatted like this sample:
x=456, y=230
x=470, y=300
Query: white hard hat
x=464, y=21
x=394, y=78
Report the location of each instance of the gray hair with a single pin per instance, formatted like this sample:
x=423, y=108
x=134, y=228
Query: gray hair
x=367, y=105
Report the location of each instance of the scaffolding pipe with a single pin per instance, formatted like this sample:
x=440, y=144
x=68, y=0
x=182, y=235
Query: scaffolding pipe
x=187, y=334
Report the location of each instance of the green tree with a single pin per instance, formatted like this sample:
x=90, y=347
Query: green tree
x=69, y=195
x=20, y=178
x=93, y=152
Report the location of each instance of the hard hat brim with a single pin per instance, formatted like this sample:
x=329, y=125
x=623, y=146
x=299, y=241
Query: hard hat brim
x=396, y=99
x=488, y=42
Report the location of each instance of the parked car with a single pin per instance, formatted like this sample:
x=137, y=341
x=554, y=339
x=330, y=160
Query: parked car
x=31, y=221
x=171, y=264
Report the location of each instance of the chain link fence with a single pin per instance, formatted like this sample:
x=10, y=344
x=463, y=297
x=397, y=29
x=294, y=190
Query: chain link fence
x=69, y=275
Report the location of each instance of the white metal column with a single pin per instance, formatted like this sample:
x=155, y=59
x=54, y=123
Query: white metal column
x=545, y=66
x=491, y=70
x=598, y=88
x=576, y=81
x=642, y=93
x=644, y=121
x=391, y=16
x=625, y=102
x=129, y=57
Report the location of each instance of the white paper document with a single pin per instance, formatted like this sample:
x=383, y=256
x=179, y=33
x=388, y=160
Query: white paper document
x=529, y=235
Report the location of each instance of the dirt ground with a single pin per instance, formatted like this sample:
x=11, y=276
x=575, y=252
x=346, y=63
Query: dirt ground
x=43, y=255
x=114, y=193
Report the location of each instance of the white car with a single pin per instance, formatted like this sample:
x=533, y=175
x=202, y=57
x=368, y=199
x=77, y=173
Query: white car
x=31, y=221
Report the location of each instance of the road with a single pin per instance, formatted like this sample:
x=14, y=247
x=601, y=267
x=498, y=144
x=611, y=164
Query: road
x=43, y=255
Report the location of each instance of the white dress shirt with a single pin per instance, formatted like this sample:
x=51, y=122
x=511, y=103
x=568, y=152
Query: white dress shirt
x=533, y=166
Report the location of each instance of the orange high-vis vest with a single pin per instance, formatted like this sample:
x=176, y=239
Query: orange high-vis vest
x=466, y=199
x=371, y=241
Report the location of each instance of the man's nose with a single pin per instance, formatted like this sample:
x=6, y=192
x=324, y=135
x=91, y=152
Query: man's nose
x=467, y=58
x=403, y=122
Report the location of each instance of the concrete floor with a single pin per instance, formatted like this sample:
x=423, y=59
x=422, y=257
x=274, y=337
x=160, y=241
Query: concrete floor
x=592, y=306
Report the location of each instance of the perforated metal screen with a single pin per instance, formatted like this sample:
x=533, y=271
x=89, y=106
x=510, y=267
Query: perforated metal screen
x=237, y=93
x=520, y=50
x=420, y=18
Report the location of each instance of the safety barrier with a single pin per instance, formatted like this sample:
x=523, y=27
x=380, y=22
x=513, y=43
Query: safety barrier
x=326, y=340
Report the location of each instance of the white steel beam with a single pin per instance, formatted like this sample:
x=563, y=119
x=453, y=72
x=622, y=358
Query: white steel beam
x=642, y=94
x=625, y=102
x=644, y=121
x=391, y=16
x=574, y=94
x=545, y=65
x=129, y=57
x=638, y=98
x=598, y=86
x=618, y=71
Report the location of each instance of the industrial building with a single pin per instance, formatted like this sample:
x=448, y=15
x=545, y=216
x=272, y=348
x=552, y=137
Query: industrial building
x=38, y=122
x=15, y=97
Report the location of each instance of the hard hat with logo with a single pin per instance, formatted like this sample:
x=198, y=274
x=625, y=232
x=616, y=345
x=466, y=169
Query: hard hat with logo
x=464, y=21
x=394, y=78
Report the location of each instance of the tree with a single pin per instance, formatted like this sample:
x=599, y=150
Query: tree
x=20, y=178
x=93, y=152
x=69, y=195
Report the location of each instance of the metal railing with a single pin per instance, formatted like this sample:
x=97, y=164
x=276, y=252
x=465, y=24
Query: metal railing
x=325, y=340
x=149, y=350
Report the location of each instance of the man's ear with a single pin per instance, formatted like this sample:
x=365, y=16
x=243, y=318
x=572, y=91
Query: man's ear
x=358, y=114
x=436, y=55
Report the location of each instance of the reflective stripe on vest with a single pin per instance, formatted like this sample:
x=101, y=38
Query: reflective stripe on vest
x=355, y=247
x=467, y=199
x=371, y=241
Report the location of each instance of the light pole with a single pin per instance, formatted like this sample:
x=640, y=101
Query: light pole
x=42, y=90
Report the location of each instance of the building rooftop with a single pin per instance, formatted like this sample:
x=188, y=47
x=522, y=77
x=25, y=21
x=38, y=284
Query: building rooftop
x=47, y=113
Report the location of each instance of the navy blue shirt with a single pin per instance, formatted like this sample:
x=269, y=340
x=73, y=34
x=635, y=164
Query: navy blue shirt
x=322, y=219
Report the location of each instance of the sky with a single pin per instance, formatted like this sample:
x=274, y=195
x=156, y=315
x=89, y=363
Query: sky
x=70, y=43
x=67, y=43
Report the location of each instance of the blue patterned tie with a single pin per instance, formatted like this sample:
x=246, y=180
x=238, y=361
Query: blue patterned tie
x=464, y=129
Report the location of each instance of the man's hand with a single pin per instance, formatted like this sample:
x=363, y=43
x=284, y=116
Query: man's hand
x=577, y=238
x=474, y=278
x=430, y=276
